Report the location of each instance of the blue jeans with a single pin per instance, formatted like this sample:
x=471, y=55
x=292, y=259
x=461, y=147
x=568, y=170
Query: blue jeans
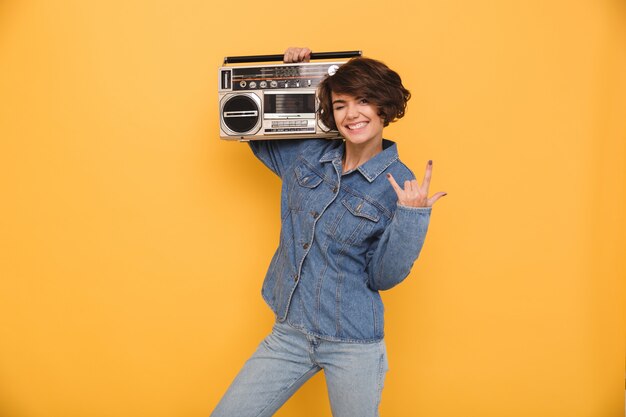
x=287, y=358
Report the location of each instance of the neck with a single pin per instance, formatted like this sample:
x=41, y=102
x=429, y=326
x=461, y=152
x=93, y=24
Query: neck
x=356, y=155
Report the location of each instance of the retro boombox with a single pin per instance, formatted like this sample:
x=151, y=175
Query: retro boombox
x=274, y=101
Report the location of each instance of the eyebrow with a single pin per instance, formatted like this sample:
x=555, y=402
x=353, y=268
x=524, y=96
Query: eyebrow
x=339, y=100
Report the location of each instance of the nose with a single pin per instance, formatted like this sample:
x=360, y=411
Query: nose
x=353, y=111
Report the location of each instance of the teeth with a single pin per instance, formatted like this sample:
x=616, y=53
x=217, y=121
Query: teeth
x=357, y=126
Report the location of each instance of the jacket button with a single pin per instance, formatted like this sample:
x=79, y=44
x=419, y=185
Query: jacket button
x=296, y=278
x=315, y=214
x=335, y=189
x=305, y=246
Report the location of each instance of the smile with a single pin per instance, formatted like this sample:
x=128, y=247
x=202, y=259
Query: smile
x=356, y=125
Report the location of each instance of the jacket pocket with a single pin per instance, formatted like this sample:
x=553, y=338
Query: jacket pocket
x=306, y=177
x=359, y=221
x=361, y=208
x=303, y=187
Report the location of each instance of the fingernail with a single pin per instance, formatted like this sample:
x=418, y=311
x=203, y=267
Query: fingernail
x=430, y=162
x=388, y=175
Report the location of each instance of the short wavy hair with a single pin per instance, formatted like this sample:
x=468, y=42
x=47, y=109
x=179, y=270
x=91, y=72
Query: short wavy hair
x=364, y=78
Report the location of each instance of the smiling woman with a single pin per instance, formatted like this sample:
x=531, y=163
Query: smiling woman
x=360, y=124
x=359, y=101
x=348, y=232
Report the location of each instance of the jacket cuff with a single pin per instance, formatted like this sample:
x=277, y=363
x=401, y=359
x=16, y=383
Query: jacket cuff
x=412, y=221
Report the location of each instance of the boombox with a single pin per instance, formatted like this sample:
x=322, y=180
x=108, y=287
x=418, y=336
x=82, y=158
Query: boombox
x=274, y=101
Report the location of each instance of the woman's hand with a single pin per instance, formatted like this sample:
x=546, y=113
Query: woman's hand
x=413, y=195
x=296, y=54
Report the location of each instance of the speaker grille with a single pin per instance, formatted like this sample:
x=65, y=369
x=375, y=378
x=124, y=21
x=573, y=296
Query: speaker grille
x=241, y=114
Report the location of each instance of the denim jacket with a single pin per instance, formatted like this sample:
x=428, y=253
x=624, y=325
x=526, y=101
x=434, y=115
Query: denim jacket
x=343, y=238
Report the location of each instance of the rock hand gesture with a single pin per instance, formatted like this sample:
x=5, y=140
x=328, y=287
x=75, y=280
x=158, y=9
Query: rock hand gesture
x=414, y=195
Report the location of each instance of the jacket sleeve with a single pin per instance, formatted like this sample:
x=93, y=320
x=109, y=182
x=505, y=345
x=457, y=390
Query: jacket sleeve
x=278, y=154
x=398, y=248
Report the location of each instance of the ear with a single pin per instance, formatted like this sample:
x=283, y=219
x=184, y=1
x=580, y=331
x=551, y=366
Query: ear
x=383, y=116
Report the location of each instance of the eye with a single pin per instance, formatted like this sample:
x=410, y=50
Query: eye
x=338, y=108
x=363, y=101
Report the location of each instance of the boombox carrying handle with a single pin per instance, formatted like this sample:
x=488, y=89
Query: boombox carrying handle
x=267, y=58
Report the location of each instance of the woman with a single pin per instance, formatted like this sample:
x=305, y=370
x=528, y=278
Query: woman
x=348, y=230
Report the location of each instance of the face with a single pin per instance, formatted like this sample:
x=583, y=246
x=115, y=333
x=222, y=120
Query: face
x=357, y=120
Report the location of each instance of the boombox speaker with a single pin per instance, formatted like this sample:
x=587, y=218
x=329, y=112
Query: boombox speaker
x=274, y=101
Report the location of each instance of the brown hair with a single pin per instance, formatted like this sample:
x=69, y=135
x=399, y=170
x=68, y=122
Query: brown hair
x=364, y=78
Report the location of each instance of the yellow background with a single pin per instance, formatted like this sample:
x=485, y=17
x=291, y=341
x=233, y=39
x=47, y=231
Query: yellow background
x=133, y=242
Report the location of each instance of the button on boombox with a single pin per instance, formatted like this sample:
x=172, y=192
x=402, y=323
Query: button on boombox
x=289, y=123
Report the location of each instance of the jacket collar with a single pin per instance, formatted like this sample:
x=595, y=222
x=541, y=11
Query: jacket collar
x=374, y=166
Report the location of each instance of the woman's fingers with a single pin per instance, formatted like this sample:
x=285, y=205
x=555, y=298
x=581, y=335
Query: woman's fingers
x=394, y=184
x=427, y=176
x=304, y=55
x=410, y=195
x=435, y=197
x=288, y=55
x=296, y=54
x=414, y=195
